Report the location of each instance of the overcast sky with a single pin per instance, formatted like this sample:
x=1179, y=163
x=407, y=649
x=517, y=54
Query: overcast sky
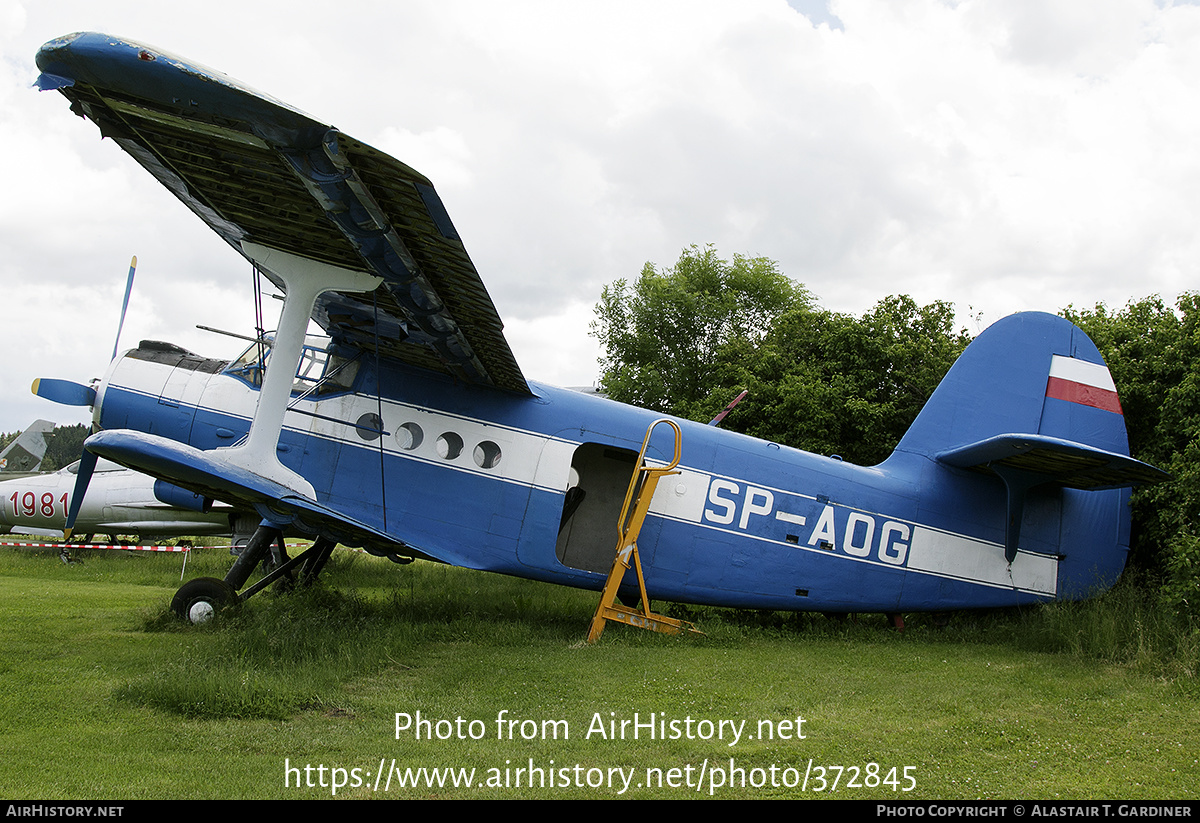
x=1001, y=154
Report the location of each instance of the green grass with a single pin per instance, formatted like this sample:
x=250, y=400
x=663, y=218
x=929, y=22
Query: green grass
x=106, y=696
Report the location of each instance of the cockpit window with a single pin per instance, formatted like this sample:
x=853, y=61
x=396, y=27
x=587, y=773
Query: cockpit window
x=336, y=373
x=319, y=372
x=310, y=369
x=251, y=364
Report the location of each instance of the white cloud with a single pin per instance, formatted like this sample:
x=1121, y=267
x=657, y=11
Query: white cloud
x=1002, y=155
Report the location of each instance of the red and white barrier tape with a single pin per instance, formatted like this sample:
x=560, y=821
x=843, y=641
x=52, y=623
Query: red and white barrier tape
x=104, y=546
x=122, y=547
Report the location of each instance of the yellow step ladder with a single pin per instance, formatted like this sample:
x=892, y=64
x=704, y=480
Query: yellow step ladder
x=633, y=514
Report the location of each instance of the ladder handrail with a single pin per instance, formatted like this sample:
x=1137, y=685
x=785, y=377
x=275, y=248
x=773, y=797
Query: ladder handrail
x=635, y=479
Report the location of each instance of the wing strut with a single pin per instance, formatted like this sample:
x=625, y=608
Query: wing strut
x=304, y=281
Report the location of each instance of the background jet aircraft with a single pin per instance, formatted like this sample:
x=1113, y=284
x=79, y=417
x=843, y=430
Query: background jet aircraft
x=118, y=501
x=25, y=454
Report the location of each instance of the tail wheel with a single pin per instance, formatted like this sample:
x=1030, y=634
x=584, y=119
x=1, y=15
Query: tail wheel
x=198, y=600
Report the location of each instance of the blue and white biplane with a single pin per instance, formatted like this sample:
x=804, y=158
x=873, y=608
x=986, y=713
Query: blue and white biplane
x=413, y=432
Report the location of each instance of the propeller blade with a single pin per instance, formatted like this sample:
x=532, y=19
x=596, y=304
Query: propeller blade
x=75, y=394
x=64, y=392
x=87, y=465
x=125, y=304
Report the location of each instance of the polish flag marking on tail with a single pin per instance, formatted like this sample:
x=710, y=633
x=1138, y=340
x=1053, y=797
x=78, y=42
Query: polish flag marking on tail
x=1078, y=381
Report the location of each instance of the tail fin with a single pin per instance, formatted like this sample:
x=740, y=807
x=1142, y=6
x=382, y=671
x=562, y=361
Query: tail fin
x=1030, y=400
x=25, y=454
x=1028, y=374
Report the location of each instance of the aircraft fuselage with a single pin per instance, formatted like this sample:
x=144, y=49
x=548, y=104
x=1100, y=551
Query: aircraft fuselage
x=480, y=476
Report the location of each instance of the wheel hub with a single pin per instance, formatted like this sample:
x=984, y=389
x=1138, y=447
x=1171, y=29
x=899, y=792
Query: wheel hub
x=201, y=612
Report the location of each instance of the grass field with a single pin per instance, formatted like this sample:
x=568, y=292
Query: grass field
x=106, y=696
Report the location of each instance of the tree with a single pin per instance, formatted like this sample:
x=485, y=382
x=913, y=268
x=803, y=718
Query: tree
x=1153, y=353
x=64, y=446
x=685, y=341
x=832, y=383
x=670, y=336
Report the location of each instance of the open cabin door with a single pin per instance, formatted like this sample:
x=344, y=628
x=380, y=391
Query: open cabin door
x=587, y=534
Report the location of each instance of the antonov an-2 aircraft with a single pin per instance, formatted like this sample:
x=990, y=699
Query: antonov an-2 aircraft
x=420, y=437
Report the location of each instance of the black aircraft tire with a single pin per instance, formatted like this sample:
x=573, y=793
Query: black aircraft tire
x=198, y=600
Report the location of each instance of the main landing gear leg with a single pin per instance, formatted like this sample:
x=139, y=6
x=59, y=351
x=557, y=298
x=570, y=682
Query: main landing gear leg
x=260, y=543
x=198, y=600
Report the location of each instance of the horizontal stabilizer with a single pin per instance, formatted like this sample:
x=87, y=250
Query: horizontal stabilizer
x=1070, y=464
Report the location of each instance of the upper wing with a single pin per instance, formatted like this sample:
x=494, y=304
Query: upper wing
x=257, y=170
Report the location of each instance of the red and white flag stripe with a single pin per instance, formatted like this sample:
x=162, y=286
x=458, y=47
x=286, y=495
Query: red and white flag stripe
x=1078, y=381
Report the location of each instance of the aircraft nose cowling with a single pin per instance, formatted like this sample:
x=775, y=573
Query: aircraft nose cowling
x=155, y=389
